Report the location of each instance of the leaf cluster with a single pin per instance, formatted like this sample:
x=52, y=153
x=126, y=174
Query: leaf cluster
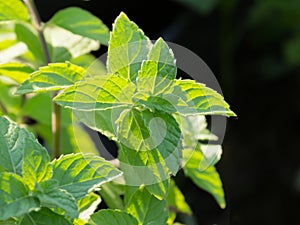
x=157, y=121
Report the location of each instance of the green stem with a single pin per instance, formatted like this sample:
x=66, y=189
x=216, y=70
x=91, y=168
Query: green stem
x=56, y=110
x=3, y=108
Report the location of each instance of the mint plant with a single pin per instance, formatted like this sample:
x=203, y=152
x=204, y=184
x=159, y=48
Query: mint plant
x=157, y=121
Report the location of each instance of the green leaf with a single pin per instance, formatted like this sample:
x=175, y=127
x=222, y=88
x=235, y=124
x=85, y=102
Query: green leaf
x=90, y=173
x=81, y=22
x=194, y=128
x=101, y=120
x=150, y=149
x=13, y=10
x=80, y=222
x=76, y=139
x=128, y=47
x=15, y=141
x=17, y=71
x=93, y=65
x=64, y=45
x=27, y=33
x=191, y=98
x=110, y=193
x=176, y=200
x=88, y=205
x=12, y=52
x=51, y=196
x=42, y=217
x=205, y=177
x=8, y=222
x=55, y=76
x=147, y=209
x=154, y=103
x=36, y=166
x=159, y=70
x=143, y=131
x=11, y=102
x=15, y=200
x=206, y=154
x=99, y=93
x=112, y=217
x=79, y=140
x=42, y=101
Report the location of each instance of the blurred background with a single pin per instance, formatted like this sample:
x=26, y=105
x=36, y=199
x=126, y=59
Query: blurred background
x=253, y=48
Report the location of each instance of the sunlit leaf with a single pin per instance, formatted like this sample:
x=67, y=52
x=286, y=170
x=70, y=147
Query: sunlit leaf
x=13, y=10
x=112, y=217
x=206, y=177
x=51, y=196
x=15, y=142
x=15, y=199
x=128, y=47
x=191, y=98
x=147, y=209
x=90, y=173
x=55, y=76
x=16, y=71
x=88, y=205
x=99, y=93
x=159, y=70
x=176, y=200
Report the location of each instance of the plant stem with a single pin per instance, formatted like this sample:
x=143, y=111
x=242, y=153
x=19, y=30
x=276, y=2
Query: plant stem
x=56, y=110
x=2, y=108
x=36, y=21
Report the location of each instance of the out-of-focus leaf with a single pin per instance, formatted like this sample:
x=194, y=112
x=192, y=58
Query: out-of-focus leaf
x=17, y=71
x=64, y=45
x=76, y=139
x=27, y=34
x=111, y=195
x=12, y=52
x=8, y=222
x=81, y=22
x=13, y=10
x=200, y=6
x=176, y=200
x=11, y=102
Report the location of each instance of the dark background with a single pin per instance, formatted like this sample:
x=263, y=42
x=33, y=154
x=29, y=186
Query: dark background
x=253, y=48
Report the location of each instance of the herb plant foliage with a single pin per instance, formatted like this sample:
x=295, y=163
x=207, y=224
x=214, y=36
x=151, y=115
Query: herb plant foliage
x=157, y=121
